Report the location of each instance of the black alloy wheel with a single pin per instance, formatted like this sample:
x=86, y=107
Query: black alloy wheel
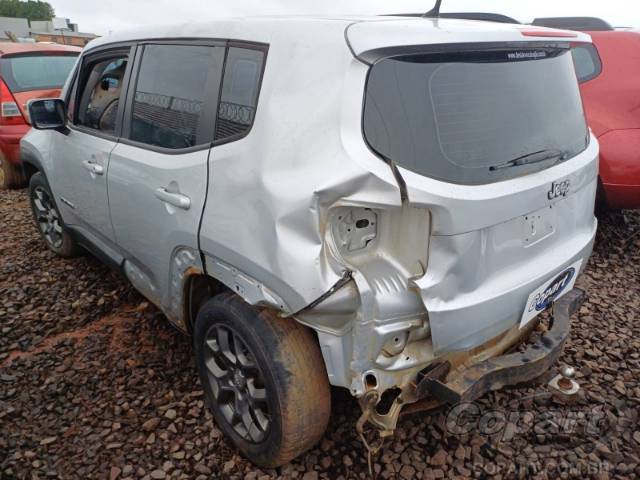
x=48, y=219
x=237, y=383
x=264, y=379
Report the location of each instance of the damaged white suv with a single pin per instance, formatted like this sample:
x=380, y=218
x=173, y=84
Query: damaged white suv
x=383, y=204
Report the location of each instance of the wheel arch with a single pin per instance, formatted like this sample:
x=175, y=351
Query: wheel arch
x=30, y=170
x=194, y=280
x=31, y=164
x=217, y=276
x=198, y=289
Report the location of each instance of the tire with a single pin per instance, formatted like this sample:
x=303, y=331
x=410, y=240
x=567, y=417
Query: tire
x=281, y=365
x=14, y=177
x=48, y=219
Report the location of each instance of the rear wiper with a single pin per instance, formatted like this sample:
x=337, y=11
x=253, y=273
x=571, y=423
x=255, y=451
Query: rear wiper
x=531, y=158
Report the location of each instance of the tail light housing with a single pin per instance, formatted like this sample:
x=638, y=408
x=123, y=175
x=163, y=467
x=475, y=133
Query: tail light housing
x=10, y=113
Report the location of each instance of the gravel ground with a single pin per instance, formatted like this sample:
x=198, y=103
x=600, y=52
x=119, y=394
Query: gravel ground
x=94, y=383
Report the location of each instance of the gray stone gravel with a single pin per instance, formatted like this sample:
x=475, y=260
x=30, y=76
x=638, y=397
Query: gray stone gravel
x=94, y=383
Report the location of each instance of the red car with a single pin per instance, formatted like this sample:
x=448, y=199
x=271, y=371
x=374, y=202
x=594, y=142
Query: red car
x=609, y=73
x=27, y=71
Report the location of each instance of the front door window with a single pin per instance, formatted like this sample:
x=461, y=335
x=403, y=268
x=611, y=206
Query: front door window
x=100, y=97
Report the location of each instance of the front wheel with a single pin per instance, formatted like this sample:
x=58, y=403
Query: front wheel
x=264, y=379
x=48, y=219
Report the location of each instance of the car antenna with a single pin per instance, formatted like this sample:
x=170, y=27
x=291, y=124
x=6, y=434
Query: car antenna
x=435, y=11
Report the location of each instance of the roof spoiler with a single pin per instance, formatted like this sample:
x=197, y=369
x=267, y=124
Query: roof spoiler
x=580, y=24
x=486, y=17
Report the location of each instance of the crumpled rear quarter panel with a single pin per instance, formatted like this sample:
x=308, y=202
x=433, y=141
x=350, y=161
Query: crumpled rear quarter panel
x=270, y=193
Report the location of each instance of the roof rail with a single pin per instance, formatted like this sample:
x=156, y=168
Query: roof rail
x=487, y=17
x=574, y=23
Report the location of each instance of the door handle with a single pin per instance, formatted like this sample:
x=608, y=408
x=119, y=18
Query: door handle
x=175, y=199
x=93, y=167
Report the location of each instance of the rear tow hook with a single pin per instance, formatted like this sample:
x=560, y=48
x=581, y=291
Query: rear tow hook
x=564, y=385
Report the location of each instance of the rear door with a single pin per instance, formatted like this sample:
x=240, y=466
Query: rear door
x=81, y=156
x=158, y=172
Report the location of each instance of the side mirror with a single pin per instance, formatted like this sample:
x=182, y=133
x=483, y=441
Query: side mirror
x=48, y=114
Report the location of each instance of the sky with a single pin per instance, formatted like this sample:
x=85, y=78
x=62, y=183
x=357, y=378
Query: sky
x=102, y=17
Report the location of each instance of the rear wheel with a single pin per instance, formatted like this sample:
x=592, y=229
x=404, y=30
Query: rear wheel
x=264, y=379
x=48, y=219
x=13, y=175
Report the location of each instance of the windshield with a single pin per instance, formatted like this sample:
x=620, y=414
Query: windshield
x=476, y=117
x=36, y=72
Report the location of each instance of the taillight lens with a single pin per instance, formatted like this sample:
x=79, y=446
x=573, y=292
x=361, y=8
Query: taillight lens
x=10, y=113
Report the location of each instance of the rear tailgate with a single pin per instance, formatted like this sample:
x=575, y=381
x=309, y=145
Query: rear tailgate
x=494, y=245
x=461, y=138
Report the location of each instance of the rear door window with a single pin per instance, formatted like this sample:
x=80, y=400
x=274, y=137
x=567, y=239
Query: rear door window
x=587, y=62
x=175, y=93
x=240, y=88
x=475, y=117
x=36, y=72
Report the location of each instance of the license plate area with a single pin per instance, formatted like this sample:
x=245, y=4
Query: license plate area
x=538, y=226
x=544, y=296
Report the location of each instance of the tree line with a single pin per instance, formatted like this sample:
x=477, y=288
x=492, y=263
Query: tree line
x=30, y=9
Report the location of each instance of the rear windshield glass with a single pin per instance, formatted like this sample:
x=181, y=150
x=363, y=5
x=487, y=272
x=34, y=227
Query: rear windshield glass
x=476, y=118
x=36, y=72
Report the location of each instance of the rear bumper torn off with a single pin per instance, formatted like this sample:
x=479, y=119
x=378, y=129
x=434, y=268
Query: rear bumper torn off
x=453, y=381
x=508, y=370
